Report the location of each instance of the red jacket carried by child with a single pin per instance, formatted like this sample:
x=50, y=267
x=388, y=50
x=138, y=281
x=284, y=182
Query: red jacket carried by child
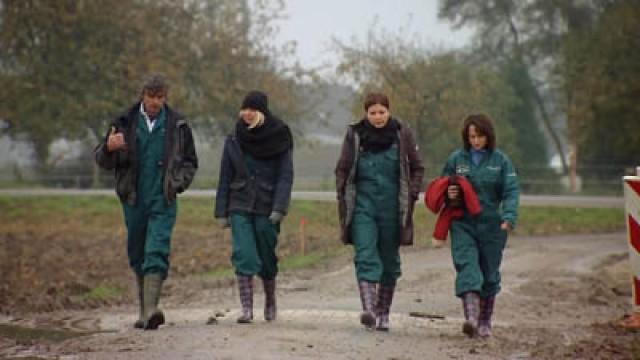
x=435, y=198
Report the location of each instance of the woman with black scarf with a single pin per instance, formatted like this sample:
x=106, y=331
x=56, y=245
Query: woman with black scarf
x=254, y=190
x=378, y=179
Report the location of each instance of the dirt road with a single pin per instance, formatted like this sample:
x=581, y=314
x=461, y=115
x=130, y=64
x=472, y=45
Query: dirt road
x=560, y=296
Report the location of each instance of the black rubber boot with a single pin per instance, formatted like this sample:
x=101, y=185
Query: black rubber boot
x=270, y=308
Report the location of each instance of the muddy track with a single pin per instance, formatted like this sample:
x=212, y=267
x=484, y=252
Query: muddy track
x=560, y=297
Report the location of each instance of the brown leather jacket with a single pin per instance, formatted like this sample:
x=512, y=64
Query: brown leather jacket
x=411, y=173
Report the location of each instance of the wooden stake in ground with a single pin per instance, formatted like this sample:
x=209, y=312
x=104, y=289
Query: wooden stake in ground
x=301, y=236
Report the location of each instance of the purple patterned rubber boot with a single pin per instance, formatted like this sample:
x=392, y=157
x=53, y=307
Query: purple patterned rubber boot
x=471, y=306
x=368, y=299
x=486, y=311
x=385, y=298
x=245, y=288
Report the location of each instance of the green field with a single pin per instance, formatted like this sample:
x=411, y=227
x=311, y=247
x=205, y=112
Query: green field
x=87, y=212
x=70, y=252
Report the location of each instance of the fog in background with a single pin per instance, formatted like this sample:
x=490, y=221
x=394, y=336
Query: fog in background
x=560, y=80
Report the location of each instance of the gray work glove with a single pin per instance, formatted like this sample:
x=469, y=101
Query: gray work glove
x=276, y=217
x=223, y=222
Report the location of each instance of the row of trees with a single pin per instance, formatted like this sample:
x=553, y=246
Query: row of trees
x=567, y=69
x=564, y=73
x=68, y=66
x=580, y=61
x=435, y=91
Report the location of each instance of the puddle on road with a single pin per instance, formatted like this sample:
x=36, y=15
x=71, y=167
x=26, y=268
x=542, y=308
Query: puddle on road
x=22, y=334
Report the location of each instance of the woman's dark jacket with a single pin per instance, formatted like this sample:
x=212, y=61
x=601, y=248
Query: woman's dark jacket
x=267, y=188
x=411, y=173
x=180, y=160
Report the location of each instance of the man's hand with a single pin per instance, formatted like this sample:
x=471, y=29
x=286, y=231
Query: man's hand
x=506, y=226
x=115, y=141
x=275, y=217
x=223, y=222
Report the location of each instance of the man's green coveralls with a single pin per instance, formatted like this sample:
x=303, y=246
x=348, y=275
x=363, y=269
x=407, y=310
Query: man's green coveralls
x=150, y=221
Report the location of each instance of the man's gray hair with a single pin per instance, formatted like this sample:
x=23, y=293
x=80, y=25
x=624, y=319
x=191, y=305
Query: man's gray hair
x=155, y=83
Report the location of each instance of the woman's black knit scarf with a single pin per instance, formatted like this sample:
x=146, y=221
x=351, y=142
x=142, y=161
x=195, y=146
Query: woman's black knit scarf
x=271, y=138
x=377, y=139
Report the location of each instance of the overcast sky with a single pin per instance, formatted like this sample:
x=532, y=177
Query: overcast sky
x=312, y=24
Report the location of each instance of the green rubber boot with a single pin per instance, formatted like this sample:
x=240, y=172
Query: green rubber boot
x=139, y=324
x=152, y=287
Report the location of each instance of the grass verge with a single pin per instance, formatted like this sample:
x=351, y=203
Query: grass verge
x=104, y=293
x=56, y=249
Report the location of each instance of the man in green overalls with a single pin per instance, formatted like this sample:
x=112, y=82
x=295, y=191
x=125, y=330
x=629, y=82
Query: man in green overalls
x=151, y=149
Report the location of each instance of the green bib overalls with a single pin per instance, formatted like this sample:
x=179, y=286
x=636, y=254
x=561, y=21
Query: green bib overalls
x=376, y=225
x=150, y=221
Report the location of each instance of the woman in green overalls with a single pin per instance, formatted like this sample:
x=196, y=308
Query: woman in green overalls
x=477, y=243
x=378, y=179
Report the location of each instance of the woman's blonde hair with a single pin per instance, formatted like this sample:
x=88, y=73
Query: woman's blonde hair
x=258, y=122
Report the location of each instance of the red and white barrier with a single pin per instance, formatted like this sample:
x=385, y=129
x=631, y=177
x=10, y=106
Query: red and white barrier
x=632, y=218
